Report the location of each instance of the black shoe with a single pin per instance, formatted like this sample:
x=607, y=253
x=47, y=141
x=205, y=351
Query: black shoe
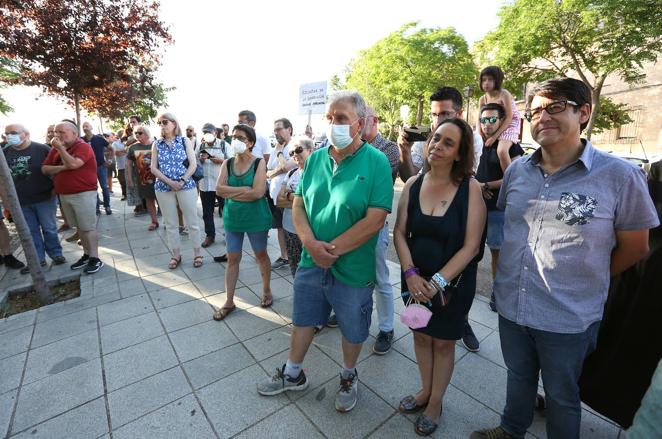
x=383, y=343
x=108, y=211
x=222, y=258
x=11, y=262
x=469, y=339
x=493, y=303
x=82, y=262
x=26, y=269
x=491, y=433
x=59, y=260
x=332, y=322
x=93, y=265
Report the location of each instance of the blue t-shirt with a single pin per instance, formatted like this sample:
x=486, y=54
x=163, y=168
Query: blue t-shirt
x=98, y=145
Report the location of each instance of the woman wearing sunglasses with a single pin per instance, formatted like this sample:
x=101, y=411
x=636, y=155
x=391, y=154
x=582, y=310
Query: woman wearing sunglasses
x=243, y=182
x=301, y=149
x=175, y=187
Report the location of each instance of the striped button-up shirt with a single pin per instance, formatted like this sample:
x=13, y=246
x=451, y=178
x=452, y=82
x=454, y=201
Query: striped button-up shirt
x=559, y=233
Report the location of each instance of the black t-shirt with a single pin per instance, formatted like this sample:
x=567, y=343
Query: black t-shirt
x=98, y=145
x=25, y=165
x=489, y=168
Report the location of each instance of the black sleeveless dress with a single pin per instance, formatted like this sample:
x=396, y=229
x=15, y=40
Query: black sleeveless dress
x=433, y=241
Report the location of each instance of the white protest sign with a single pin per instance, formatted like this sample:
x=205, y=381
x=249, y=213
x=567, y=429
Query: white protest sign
x=312, y=98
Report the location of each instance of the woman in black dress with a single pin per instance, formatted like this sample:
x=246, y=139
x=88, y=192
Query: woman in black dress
x=439, y=232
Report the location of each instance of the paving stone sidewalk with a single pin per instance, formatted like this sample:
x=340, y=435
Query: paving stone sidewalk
x=139, y=356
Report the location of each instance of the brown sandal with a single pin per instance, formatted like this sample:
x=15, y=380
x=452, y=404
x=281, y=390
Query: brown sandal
x=153, y=227
x=174, y=262
x=267, y=301
x=197, y=262
x=222, y=313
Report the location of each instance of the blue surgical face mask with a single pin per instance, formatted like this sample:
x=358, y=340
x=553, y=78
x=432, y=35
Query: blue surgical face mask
x=13, y=139
x=339, y=135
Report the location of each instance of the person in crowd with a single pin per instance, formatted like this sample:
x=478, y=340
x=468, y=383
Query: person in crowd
x=119, y=150
x=139, y=175
x=262, y=147
x=99, y=146
x=226, y=133
x=211, y=154
x=445, y=103
x=72, y=164
x=277, y=167
x=383, y=287
x=437, y=235
x=6, y=257
x=309, y=132
x=50, y=133
x=490, y=176
x=490, y=81
x=574, y=216
x=242, y=183
x=340, y=205
x=35, y=192
x=175, y=187
x=110, y=162
x=192, y=136
x=301, y=149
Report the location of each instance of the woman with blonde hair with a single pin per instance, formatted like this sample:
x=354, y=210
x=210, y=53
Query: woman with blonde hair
x=174, y=186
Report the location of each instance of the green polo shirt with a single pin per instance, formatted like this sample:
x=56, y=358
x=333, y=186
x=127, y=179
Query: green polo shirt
x=337, y=197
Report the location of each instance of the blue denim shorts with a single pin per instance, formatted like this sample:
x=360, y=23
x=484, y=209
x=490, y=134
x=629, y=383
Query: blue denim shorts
x=317, y=292
x=495, y=229
x=234, y=241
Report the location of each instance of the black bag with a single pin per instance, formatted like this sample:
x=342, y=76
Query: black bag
x=198, y=174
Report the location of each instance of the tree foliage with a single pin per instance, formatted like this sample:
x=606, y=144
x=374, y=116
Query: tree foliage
x=590, y=39
x=7, y=73
x=84, y=50
x=405, y=67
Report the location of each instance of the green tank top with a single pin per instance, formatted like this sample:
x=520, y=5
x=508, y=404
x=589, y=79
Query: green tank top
x=245, y=216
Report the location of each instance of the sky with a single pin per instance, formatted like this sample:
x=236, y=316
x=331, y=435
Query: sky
x=230, y=56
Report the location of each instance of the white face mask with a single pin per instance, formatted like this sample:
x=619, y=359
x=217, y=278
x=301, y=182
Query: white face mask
x=209, y=138
x=339, y=135
x=238, y=147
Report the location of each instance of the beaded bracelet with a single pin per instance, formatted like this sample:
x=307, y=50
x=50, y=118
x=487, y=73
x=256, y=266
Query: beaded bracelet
x=409, y=272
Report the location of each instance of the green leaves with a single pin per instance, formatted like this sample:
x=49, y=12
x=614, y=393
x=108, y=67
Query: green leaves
x=405, y=67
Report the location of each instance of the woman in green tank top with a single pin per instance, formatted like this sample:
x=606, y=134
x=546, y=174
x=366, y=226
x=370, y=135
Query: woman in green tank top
x=242, y=183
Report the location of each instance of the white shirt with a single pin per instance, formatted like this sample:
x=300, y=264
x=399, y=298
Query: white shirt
x=276, y=182
x=211, y=170
x=417, y=152
x=261, y=147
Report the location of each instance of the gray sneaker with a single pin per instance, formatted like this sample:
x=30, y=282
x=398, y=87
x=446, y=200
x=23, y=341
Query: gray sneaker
x=383, y=343
x=278, y=263
x=280, y=383
x=348, y=394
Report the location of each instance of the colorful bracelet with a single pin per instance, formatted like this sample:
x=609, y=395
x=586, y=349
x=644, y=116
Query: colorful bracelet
x=439, y=281
x=409, y=272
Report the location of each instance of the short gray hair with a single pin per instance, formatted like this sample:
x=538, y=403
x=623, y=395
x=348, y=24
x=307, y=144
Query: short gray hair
x=354, y=98
x=304, y=142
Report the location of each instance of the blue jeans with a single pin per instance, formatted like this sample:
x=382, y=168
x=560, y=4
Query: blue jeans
x=559, y=357
x=102, y=176
x=43, y=228
x=317, y=292
x=383, y=289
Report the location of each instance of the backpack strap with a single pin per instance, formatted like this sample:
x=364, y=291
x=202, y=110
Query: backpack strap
x=230, y=162
x=256, y=163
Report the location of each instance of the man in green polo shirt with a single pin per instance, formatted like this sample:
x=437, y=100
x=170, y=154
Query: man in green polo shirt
x=339, y=207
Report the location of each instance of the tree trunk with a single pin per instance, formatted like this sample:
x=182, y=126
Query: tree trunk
x=419, y=110
x=10, y=199
x=595, y=102
x=77, y=103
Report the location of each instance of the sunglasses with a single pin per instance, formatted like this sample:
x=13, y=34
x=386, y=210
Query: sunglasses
x=491, y=119
x=551, y=108
x=140, y=133
x=164, y=122
x=297, y=150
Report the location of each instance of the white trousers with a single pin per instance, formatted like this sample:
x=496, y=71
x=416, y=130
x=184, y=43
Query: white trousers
x=188, y=203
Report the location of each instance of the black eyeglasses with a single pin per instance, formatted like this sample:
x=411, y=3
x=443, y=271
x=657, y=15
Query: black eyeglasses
x=240, y=138
x=491, y=119
x=443, y=115
x=164, y=122
x=297, y=150
x=551, y=108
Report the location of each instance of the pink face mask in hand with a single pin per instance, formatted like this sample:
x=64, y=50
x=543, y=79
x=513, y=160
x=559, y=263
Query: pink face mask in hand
x=415, y=315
